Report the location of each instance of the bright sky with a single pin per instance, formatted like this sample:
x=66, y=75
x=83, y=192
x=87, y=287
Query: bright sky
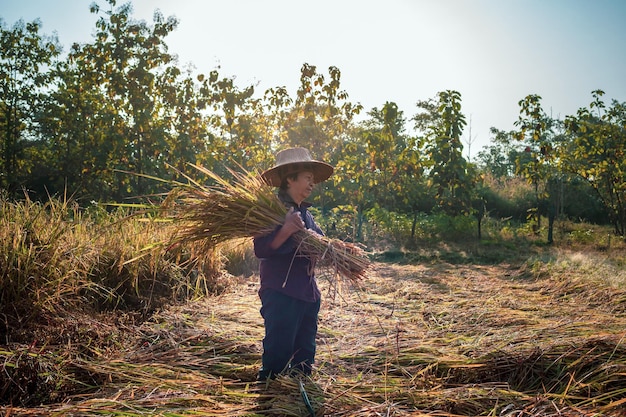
x=494, y=52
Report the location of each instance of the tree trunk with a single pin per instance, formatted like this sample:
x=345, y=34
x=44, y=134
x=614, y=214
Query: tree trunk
x=551, y=218
x=359, y=227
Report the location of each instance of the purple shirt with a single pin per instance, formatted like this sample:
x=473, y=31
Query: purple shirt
x=282, y=269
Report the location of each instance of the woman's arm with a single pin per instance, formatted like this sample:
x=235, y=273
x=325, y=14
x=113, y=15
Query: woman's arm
x=269, y=245
x=293, y=223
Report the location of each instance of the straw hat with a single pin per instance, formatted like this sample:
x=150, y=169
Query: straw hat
x=292, y=160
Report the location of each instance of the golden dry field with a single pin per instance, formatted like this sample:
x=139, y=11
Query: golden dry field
x=545, y=337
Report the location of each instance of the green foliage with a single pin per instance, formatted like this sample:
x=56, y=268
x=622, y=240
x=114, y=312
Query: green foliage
x=339, y=222
x=381, y=165
x=508, y=197
x=25, y=60
x=119, y=111
x=596, y=151
x=450, y=176
x=534, y=133
x=582, y=236
x=580, y=202
x=499, y=158
x=130, y=60
x=453, y=228
x=389, y=226
x=400, y=230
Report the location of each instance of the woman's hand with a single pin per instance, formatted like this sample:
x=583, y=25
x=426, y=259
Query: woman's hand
x=293, y=223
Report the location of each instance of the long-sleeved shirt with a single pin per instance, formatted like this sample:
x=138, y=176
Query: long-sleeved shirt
x=283, y=269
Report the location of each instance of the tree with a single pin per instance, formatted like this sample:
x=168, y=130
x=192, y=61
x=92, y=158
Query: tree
x=499, y=158
x=450, y=176
x=233, y=119
x=272, y=113
x=25, y=60
x=321, y=119
x=536, y=164
x=380, y=166
x=321, y=114
x=132, y=62
x=596, y=151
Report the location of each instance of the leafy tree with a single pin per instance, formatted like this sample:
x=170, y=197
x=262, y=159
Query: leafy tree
x=131, y=60
x=596, y=152
x=190, y=137
x=450, y=175
x=367, y=164
x=321, y=119
x=25, y=60
x=497, y=165
x=271, y=114
x=499, y=158
x=380, y=166
x=232, y=118
x=76, y=125
x=536, y=132
x=533, y=123
x=321, y=116
x=401, y=188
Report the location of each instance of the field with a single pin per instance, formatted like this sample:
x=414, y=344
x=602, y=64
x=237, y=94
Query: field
x=539, y=335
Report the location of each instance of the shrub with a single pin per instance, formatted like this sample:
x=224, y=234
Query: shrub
x=388, y=226
x=508, y=197
x=339, y=222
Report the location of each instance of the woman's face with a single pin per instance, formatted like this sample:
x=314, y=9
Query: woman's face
x=300, y=188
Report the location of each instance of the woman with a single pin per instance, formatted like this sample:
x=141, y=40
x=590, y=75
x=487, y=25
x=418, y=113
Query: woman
x=290, y=298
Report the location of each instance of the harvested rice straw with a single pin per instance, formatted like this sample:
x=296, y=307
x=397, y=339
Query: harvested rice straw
x=248, y=207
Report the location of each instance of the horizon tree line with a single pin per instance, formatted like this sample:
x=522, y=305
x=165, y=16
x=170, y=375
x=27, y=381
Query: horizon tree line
x=100, y=120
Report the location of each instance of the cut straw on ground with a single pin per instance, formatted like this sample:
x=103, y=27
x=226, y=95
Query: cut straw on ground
x=447, y=341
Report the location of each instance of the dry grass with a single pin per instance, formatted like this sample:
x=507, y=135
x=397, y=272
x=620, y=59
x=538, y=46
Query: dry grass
x=57, y=258
x=429, y=339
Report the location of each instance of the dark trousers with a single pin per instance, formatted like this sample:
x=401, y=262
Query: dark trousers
x=290, y=330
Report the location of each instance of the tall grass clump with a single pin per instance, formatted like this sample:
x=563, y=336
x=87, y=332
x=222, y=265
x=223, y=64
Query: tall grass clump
x=509, y=197
x=65, y=272
x=239, y=258
x=140, y=278
x=44, y=265
x=57, y=257
x=596, y=277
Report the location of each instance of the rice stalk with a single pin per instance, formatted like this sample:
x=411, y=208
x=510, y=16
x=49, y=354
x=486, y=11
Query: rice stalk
x=246, y=207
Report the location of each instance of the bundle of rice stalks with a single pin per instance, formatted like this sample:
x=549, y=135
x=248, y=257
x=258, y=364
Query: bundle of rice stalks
x=245, y=207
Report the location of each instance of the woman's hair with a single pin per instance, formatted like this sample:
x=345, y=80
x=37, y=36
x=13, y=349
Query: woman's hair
x=283, y=183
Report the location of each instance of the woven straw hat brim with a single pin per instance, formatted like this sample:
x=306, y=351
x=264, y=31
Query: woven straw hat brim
x=321, y=171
